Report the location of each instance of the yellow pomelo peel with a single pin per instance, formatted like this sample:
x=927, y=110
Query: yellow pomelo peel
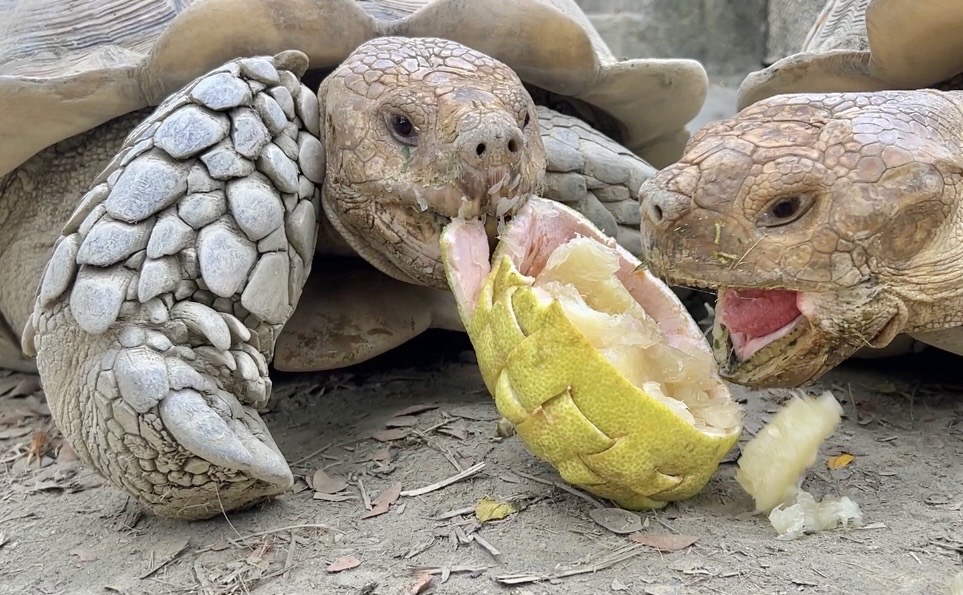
x=577, y=365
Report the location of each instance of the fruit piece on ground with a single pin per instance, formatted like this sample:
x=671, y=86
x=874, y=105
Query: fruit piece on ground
x=773, y=463
x=806, y=515
x=598, y=365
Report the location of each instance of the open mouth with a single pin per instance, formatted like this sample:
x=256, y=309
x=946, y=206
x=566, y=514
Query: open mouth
x=757, y=318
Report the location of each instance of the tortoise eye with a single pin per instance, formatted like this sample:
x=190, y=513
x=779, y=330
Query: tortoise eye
x=785, y=210
x=527, y=120
x=403, y=129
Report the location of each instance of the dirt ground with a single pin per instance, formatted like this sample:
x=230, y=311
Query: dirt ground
x=61, y=531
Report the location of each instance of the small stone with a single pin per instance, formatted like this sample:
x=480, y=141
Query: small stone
x=278, y=168
x=271, y=113
x=255, y=206
x=259, y=69
x=226, y=258
x=221, y=92
x=248, y=133
x=190, y=130
x=198, y=210
x=266, y=294
x=148, y=185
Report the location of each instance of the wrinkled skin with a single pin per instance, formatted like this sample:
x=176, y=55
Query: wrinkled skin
x=850, y=202
x=432, y=132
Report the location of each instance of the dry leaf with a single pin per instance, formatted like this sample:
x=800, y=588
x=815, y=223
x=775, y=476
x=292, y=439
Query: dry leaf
x=382, y=455
x=383, y=502
x=489, y=509
x=401, y=421
x=415, y=410
x=327, y=484
x=343, y=563
x=15, y=432
x=839, y=461
x=457, y=430
x=26, y=387
x=617, y=520
x=84, y=555
x=389, y=435
x=420, y=586
x=664, y=542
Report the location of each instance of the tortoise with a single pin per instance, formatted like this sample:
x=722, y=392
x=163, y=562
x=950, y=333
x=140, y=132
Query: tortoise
x=826, y=212
x=217, y=185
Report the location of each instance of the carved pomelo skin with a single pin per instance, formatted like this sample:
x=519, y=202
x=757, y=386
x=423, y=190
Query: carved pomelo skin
x=827, y=223
x=624, y=410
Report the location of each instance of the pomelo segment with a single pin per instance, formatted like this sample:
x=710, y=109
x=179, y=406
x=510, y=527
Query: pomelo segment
x=772, y=464
x=597, y=363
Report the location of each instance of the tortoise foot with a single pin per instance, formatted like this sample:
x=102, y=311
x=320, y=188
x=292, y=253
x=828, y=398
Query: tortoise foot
x=158, y=312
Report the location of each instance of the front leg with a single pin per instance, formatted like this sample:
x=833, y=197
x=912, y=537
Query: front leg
x=595, y=175
x=158, y=312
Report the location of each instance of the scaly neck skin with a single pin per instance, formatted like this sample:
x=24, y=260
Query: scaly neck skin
x=931, y=282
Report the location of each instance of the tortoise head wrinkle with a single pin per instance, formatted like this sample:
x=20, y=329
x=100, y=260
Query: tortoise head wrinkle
x=418, y=132
x=835, y=213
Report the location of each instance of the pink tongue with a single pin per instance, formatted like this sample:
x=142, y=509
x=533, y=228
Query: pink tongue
x=757, y=312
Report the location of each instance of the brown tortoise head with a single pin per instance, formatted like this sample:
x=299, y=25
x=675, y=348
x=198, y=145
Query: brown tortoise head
x=822, y=221
x=418, y=131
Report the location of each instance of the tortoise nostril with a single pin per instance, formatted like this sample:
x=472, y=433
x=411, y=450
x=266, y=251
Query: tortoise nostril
x=480, y=149
x=657, y=213
x=512, y=146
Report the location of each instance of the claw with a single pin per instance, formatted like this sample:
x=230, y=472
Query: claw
x=204, y=321
x=189, y=418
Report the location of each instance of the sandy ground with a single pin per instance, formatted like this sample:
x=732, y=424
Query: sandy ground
x=61, y=531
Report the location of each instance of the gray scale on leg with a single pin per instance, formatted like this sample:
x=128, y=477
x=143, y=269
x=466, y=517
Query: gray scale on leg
x=160, y=283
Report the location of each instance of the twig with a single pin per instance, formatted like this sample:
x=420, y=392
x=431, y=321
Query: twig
x=269, y=532
x=453, y=513
x=289, y=559
x=612, y=559
x=170, y=558
x=486, y=545
x=444, y=451
x=446, y=482
x=364, y=495
x=440, y=570
x=562, y=487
